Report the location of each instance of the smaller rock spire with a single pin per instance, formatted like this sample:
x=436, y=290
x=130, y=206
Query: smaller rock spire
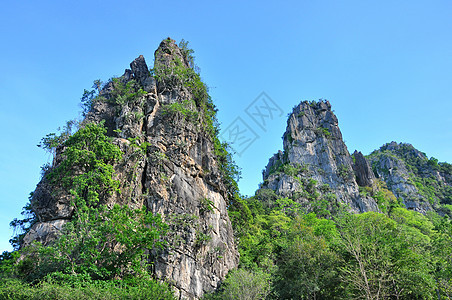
x=364, y=174
x=142, y=75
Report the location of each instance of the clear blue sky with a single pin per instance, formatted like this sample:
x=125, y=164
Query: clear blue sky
x=385, y=66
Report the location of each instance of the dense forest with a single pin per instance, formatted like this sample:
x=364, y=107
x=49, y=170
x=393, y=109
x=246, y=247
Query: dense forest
x=306, y=244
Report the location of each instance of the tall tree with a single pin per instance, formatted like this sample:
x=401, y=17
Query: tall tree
x=384, y=258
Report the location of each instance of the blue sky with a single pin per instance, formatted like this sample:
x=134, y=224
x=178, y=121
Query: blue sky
x=385, y=66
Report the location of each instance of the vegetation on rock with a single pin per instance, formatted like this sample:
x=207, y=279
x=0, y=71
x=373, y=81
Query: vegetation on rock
x=201, y=109
x=413, y=177
x=100, y=244
x=372, y=255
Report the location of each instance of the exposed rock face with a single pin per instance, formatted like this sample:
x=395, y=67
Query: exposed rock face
x=177, y=176
x=45, y=232
x=364, y=174
x=419, y=182
x=313, y=145
x=141, y=73
x=168, y=60
x=393, y=171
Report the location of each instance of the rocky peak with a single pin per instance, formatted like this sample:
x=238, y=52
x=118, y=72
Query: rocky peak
x=313, y=145
x=404, y=149
x=170, y=68
x=420, y=183
x=142, y=75
x=364, y=174
x=176, y=174
x=168, y=54
x=273, y=163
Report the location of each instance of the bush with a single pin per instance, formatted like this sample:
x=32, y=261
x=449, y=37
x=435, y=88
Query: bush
x=186, y=108
x=70, y=287
x=101, y=243
x=87, y=168
x=242, y=284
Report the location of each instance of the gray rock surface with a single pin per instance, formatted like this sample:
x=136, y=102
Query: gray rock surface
x=142, y=75
x=44, y=232
x=313, y=141
x=168, y=59
x=364, y=174
x=178, y=177
x=399, y=164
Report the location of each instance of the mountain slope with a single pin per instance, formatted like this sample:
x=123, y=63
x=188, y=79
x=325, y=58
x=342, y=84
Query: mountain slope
x=172, y=163
x=421, y=183
x=316, y=169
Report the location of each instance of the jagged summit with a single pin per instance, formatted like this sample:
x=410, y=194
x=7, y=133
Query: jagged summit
x=315, y=158
x=163, y=123
x=141, y=74
x=168, y=54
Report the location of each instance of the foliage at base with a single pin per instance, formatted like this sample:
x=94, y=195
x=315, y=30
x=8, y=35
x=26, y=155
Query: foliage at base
x=401, y=254
x=68, y=287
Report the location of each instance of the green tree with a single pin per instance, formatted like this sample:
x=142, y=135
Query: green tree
x=442, y=256
x=90, y=96
x=102, y=242
x=244, y=285
x=86, y=170
x=52, y=140
x=383, y=258
x=307, y=265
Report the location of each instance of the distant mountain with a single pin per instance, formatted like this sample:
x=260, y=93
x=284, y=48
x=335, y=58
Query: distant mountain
x=421, y=183
x=315, y=168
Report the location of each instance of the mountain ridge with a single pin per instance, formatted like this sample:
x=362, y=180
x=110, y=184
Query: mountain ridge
x=313, y=145
x=149, y=145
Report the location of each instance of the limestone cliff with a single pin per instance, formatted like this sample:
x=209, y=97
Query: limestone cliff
x=315, y=164
x=162, y=123
x=420, y=183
